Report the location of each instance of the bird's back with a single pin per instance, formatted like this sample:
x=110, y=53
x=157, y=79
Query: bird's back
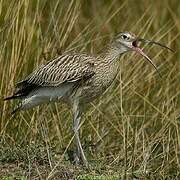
x=62, y=70
x=62, y=77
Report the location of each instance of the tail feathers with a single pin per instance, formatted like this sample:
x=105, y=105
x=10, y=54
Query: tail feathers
x=12, y=97
x=19, y=107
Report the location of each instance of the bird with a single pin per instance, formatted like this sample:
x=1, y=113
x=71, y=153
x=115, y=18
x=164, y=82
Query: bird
x=77, y=79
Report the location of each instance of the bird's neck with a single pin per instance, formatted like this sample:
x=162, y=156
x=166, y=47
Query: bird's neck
x=108, y=64
x=111, y=53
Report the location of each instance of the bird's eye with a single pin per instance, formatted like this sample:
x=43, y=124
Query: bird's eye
x=124, y=37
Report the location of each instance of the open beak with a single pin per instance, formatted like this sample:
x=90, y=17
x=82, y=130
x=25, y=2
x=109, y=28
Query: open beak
x=139, y=50
x=153, y=42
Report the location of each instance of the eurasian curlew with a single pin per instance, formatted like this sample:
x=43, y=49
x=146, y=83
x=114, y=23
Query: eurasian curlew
x=77, y=79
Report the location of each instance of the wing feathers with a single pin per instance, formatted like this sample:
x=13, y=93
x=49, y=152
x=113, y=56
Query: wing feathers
x=66, y=68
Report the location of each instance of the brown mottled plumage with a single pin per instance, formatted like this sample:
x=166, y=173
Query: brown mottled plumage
x=76, y=79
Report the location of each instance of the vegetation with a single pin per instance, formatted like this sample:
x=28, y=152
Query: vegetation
x=133, y=130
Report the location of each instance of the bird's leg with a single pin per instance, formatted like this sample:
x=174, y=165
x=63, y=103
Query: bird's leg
x=76, y=122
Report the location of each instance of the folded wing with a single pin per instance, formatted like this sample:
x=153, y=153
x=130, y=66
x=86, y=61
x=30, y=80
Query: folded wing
x=64, y=69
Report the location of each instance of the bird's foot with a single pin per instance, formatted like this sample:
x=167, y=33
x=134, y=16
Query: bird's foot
x=78, y=160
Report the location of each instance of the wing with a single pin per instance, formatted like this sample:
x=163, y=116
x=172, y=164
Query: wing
x=66, y=68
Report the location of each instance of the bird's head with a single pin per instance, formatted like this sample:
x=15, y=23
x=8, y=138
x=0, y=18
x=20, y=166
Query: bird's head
x=126, y=41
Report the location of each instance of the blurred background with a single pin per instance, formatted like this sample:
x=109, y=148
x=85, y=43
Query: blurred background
x=134, y=126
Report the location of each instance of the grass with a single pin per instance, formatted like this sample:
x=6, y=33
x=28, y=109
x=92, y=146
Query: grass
x=132, y=130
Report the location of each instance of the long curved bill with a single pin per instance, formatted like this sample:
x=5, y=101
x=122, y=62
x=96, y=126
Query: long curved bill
x=153, y=42
x=139, y=50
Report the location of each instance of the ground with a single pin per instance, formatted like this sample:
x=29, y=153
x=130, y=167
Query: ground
x=33, y=162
